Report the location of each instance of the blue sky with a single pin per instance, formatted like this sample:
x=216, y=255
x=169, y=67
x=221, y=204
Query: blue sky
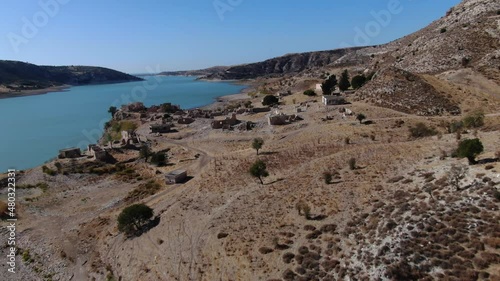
x=131, y=35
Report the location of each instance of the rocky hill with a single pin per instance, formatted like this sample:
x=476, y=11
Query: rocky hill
x=467, y=36
x=20, y=76
x=406, y=92
x=287, y=64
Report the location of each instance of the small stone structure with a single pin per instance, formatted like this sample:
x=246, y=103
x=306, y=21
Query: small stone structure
x=177, y=176
x=333, y=100
x=70, y=153
x=129, y=137
x=226, y=123
x=279, y=118
x=97, y=152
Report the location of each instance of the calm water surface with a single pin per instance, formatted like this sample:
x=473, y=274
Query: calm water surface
x=34, y=128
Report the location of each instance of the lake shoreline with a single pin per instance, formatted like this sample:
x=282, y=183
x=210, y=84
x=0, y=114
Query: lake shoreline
x=27, y=93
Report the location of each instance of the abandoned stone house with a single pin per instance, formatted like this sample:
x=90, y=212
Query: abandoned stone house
x=333, y=100
x=129, y=137
x=177, y=176
x=226, y=123
x=160, y=128
x=278, y=118
x=97, y=152
x=70, y=153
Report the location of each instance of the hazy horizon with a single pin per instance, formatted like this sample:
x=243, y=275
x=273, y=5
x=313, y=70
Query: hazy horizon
x=175, y=35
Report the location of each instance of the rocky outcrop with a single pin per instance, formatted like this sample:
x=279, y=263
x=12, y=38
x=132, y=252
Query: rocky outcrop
x=406, y=92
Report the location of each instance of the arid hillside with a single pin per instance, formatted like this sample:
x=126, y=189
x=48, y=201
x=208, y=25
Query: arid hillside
x=399, y=181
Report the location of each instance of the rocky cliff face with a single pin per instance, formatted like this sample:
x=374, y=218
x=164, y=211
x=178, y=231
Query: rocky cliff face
x=289, y=64
x=20, y=73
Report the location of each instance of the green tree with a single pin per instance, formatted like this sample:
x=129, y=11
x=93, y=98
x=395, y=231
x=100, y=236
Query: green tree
x=309, y=93
x=145, y=152
x=133, y=218
x=469, y=149
x=270, y=100
x=112, y=110
x=257, y=144
x=358, y=81
x=159, y=159
x=360, y=117
x=344, y=83
x=258, y=170
x=329, y=85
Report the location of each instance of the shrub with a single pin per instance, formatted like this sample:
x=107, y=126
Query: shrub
x=443, y=30
x=310, y=93
x=455, y=126
x=456, y=174
x=270, y=100
x=327, y=176
x=303, y=209
x=48, y=171
x=145, y=152
x=257, y=144
x=469, y=149
x=360, y=117
x=352, y=163
x=421, y=130
x=258, y=170
x=474, y=120
x=133, y=218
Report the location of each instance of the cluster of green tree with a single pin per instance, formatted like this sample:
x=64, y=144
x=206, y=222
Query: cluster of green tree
x=344, y=83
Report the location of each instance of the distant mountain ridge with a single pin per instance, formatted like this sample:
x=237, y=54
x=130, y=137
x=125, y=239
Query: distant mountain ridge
x=21, y=76
x=467, y=36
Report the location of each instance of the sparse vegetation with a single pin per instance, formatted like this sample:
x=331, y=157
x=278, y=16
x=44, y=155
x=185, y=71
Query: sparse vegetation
x=456, y=174
x=420, y=130
x=474, y=120
x=48, y=171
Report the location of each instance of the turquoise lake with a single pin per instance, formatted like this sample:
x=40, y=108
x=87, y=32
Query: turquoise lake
x=36, y=127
